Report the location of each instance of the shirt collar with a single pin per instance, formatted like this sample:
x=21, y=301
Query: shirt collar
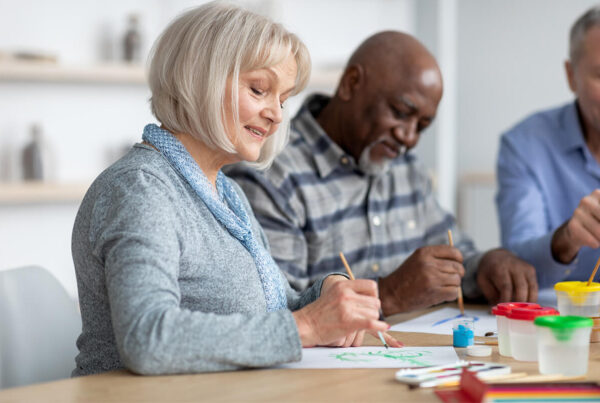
x=327, y=155
x=571, y=135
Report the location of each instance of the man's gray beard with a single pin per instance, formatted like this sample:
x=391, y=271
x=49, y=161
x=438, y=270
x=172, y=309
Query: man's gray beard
x=375, y=168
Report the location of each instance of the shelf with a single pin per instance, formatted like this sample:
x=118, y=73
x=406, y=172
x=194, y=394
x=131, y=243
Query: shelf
x=55, y=73
x=41, y=192
x=11, y=71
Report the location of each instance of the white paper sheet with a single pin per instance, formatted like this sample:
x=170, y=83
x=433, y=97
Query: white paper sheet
x=440, y=322
x=373, y=357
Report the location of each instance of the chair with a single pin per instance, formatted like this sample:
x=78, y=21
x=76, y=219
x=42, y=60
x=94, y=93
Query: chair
x=39, y=324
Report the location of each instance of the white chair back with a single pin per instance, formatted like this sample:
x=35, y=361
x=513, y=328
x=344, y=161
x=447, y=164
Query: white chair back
x=39, y=324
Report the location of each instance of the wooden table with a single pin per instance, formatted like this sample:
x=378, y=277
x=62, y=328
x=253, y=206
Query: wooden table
x=329, y=385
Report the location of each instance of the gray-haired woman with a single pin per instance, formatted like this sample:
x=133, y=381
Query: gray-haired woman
x=173, y=270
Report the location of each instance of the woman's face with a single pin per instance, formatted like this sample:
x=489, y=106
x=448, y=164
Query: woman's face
x=262, y=94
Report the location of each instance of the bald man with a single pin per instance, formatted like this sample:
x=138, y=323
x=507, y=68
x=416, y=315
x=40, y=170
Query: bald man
x=347, y=182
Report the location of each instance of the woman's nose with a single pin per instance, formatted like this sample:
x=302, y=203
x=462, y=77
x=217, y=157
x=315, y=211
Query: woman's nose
x=274, y=112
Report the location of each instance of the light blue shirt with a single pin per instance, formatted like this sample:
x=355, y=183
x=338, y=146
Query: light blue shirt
x=544, y=169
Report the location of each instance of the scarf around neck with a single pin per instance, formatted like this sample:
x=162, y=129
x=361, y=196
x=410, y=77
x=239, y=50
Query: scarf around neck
x=228, y=210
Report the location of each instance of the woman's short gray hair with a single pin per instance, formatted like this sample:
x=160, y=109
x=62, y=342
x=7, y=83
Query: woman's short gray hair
x=198, y=52
x=590, y=19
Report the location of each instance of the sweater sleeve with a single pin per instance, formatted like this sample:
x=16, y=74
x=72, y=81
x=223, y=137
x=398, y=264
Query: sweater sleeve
x=134, y=234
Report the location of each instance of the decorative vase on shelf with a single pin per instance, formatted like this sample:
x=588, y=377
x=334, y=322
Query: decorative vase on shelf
x=38, y=160
x=132, y=41
x=32, y=156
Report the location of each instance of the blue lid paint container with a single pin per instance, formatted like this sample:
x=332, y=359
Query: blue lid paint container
x=462, y=332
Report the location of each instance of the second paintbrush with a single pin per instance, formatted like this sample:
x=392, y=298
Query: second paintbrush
x=461, y=304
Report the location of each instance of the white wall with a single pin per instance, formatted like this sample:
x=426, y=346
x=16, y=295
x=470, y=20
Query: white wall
x=88, y=125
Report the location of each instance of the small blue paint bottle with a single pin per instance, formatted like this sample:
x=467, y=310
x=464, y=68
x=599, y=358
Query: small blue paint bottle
x=462, y=332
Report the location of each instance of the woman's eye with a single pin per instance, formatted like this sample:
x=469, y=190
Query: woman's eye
x=281, y=105
x=256, y=91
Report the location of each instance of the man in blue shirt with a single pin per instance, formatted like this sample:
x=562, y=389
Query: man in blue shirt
x=549, y=172
x=348, y=182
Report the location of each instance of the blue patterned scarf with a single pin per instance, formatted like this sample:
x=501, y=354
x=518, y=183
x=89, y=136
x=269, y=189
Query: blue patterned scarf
x=230, y=212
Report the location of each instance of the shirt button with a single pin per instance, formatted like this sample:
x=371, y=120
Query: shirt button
x=568, y=271
x=376, y=221
x=411, y=224
x=344, y=160
x=375, y=267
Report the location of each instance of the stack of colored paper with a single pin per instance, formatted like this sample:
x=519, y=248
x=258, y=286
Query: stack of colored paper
x=544, y=392
x=473, y=390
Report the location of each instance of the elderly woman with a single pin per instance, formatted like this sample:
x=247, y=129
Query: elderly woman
x=173, y=270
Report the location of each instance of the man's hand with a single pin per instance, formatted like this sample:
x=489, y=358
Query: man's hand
x=430, y=275
x=582, y=229
x=503, y=277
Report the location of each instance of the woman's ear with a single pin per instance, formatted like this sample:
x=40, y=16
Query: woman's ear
x=351, y=81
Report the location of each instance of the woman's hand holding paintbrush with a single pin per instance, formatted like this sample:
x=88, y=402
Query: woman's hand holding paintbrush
x=384, y=337
x=341, y=315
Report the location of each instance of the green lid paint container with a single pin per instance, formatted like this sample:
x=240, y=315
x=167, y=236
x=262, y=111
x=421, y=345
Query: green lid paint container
x=563, y=344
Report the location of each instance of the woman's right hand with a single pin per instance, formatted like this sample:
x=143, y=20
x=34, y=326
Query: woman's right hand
x=341, y=315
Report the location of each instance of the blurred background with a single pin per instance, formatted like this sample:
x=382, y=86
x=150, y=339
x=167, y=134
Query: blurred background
x=73, y=96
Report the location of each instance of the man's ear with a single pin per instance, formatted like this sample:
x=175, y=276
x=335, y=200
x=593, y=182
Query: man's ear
x=570, y=74
x=351, y=81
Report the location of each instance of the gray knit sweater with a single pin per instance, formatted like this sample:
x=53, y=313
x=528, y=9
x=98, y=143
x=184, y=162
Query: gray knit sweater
x=163, y=287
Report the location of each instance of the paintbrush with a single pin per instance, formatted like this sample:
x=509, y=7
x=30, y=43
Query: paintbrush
x=349, y=271
x=589, y=283
x=461, y=304
x=490, y=379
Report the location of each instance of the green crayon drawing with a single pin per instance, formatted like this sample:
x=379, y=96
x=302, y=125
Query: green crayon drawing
x=416, y=358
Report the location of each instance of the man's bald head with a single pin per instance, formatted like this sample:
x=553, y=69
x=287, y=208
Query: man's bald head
x=388, y=94
x=390, y=54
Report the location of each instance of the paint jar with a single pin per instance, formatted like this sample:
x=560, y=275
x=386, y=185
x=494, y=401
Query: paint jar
x=463, y=332
x=501, y=311
x=577, y=298
x=521, y=331
x=563, y=344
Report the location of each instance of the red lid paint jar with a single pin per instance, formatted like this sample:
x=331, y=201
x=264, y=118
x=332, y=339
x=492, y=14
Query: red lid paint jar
x=522, y=333
x=501, y=311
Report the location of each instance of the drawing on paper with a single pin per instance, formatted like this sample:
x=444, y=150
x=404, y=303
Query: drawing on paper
x=416, y=358
x=440, y=322
x=373, y=357
x=460, y=315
